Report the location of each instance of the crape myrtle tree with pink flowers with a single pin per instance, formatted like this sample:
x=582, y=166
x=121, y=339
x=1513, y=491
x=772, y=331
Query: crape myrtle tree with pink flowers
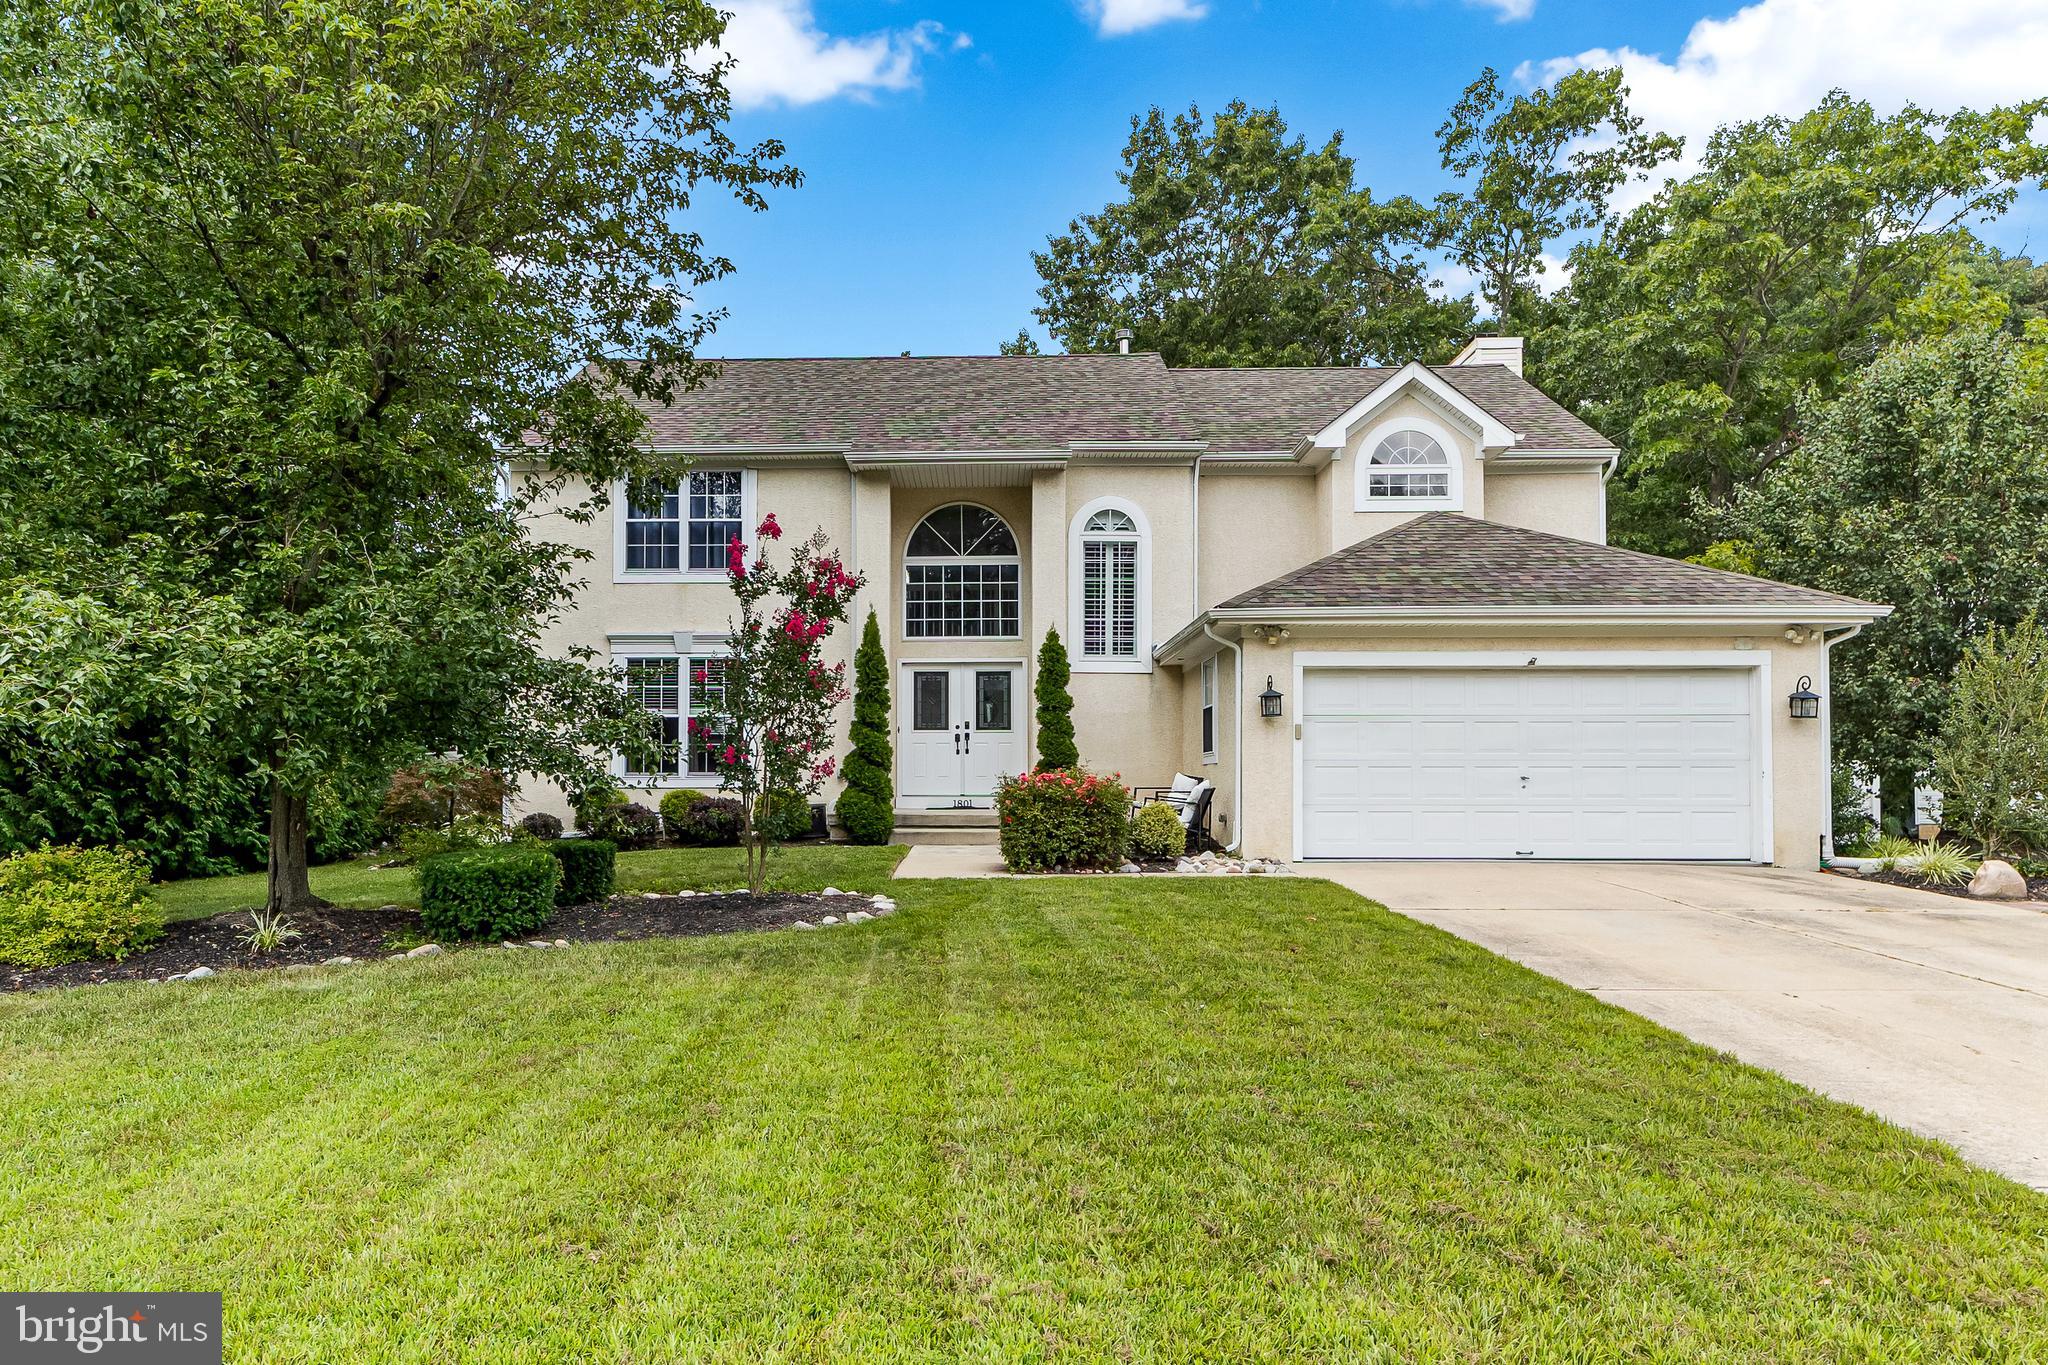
x=766, y=722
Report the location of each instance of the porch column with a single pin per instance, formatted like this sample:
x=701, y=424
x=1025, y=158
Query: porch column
x=1048, y=581
x=872, y=528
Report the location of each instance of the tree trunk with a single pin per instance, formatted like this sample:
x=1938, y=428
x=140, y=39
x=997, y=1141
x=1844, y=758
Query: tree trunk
x=289, y=887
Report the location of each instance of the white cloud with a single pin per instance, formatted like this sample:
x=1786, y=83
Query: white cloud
x=1781, y=56
x=1113, y=18
x=781, y=56
x=1509, y=11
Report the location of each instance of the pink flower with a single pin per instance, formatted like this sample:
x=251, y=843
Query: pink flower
x=701, y=675
x=736, y=559
x=768, y=528
x=731, y=754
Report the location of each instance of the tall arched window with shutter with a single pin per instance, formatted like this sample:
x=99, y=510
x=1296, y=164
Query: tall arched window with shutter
x=1110, y=577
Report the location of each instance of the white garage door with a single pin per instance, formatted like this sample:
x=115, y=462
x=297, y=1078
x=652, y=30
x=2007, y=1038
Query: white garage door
x=1527, y=763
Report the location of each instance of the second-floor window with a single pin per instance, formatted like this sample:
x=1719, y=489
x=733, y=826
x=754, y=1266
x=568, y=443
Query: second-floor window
x=686, y=527
x=961, y=577
x=1109, y=586
x=1408, y=464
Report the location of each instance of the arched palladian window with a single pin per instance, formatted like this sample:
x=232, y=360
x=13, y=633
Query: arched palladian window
x=961, y=577
x=1407, y=465
x=1110, y=624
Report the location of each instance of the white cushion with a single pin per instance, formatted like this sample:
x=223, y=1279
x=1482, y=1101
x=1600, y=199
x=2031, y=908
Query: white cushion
x=1191, y=802
x=1183, y=787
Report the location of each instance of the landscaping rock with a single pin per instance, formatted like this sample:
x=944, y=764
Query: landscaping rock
x=858, y=917
x=538, y=943
x=829, y=919
x=1130, y=867
x=831, y=891
x=1997, y=880
x=426, y=950
x=561, y=943
x=196, y=974
x=803, y=924
x=336, y=961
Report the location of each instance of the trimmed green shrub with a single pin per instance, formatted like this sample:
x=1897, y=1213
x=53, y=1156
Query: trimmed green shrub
x=1056, y=749
x=1054, y=820
x=711, y=823
x=63, y=904
x=488, y=893
x=1157, y=832
x=675, y=808
x=593, y=804
x=867, y=807
x=789, y=816
x=626, y=823
x=542, y=825
x=589, y=870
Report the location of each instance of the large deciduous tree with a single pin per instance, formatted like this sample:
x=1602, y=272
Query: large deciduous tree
x=1536, y=167
x=1925, y=486
x=281, y=282
x=1237, y=245
x=1691, y=330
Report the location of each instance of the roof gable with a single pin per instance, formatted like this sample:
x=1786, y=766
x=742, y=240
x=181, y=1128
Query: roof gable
x=1493, y=434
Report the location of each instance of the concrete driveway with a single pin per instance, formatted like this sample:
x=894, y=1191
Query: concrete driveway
x=1926, y=1009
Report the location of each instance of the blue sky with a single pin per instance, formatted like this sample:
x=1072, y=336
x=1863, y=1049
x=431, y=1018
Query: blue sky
x=942, y=142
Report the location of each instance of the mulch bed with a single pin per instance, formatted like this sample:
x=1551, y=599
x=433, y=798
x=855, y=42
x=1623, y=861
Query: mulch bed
x=365, y=934
x=2037, y=887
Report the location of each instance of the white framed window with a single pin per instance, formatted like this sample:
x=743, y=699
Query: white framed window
x=680, y=532
x=962, y=577
x=1209, y=709
x=1109, y=588
x=673, y=677
x=1408, y=464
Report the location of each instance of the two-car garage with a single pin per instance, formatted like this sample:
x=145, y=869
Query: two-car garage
x=1530, y=757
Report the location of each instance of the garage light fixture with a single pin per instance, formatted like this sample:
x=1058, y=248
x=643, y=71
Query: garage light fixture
x=1269, y=700
x=1805, y=702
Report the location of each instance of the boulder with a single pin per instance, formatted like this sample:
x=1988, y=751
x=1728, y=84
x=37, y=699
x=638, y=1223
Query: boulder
x=336, y=961
x=803, y=924
x=427, y=950
x=1996, y=880
x=196, y=974
x=858, y=917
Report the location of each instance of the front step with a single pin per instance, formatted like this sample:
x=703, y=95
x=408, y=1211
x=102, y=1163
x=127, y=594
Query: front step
x=946, y=825
x=945, y=834
x=946, y=817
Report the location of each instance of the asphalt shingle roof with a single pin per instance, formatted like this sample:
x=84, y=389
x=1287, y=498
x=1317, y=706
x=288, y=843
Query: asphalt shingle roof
x=988, y=403
x=1441, y=559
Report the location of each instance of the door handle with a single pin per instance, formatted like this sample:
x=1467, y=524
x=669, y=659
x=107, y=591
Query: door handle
x=956, y=740
x=968, y=732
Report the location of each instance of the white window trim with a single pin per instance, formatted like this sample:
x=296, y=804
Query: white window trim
x=910, y=560
x=1208, y=695
x=1361, y=478
x=684, y=645
x=749, y=519
x=1076, y=660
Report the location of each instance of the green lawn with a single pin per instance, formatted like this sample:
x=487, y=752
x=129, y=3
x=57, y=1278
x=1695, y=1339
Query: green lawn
x=362, y=884
x=1085, y=1119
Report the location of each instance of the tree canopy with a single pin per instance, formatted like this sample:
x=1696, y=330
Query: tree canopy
x=279, y=284
x=1537, y=166
x=1235, y=244
x=1693, y=327
x=1923, y=485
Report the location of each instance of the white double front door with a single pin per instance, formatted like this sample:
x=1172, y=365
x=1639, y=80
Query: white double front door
x=962, y=729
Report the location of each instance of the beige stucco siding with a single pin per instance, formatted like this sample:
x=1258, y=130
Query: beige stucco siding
x=1256, y=527
x=1339, y=480
x=1563, y=502
x=1798, y=758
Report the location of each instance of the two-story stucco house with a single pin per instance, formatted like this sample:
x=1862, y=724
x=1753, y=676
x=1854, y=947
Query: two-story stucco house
x=1374, y=606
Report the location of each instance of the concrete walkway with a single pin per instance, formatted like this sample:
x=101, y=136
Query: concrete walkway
x=952, y=860
x=1929, y=1010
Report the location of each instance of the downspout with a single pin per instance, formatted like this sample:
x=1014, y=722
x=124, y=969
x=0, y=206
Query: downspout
x=1195, y=555
x=1606, y=472
x=1237, y=738
x=1827, y=730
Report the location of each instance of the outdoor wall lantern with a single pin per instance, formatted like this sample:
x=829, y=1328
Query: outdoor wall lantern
x=1269, y=700
x=1805, y=703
